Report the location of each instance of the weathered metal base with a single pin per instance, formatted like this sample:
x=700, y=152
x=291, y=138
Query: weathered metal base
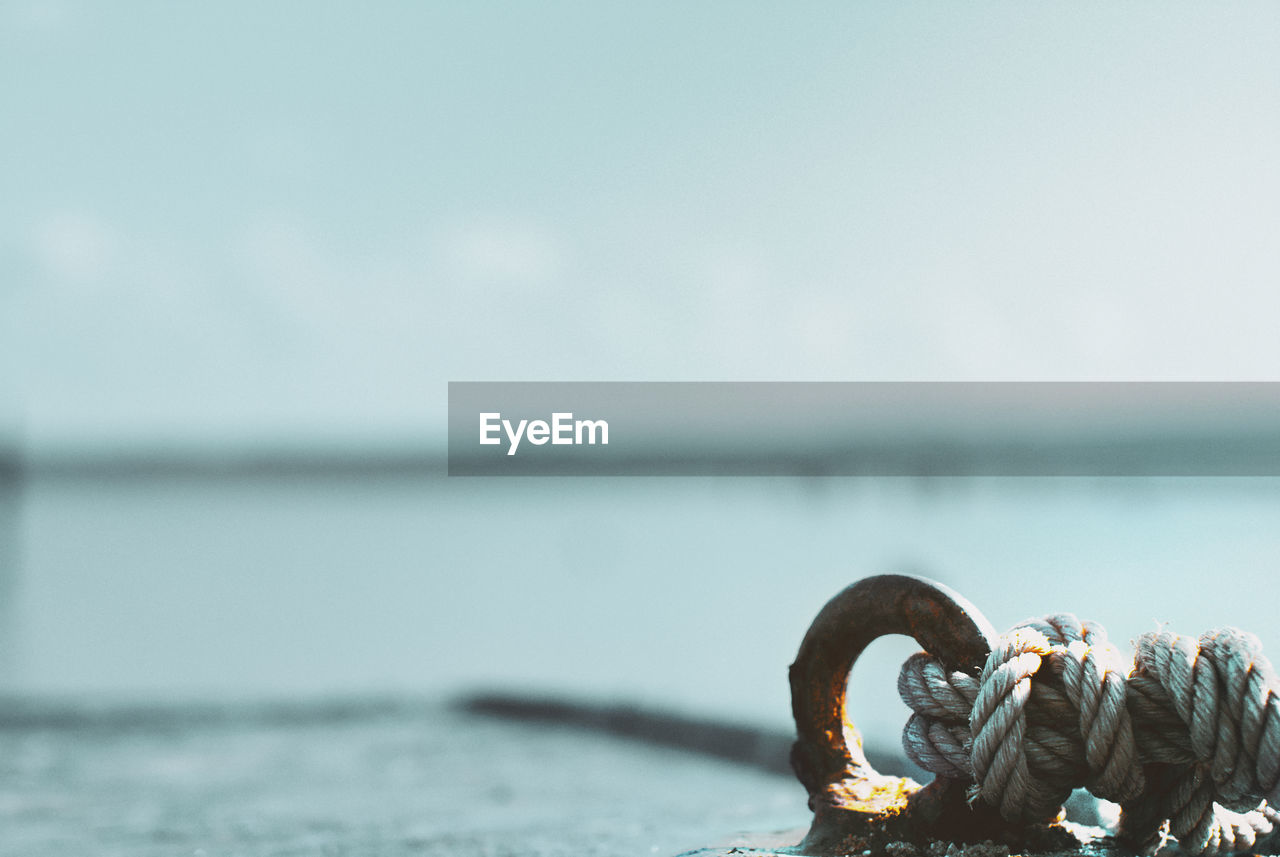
x=1065, y=840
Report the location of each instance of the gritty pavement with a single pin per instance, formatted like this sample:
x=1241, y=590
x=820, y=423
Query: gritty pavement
x=367, y=777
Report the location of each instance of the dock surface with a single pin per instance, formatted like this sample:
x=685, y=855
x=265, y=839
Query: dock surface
x=383, y=778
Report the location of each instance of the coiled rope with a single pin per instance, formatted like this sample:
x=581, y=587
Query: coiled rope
x=1187, y=740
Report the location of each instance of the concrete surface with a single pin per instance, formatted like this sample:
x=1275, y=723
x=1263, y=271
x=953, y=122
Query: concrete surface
x=365, y=778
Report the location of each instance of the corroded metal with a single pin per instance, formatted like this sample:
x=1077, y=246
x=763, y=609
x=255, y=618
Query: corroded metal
x=855, y=808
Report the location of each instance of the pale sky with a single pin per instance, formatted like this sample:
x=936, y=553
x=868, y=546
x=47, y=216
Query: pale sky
x=239, y=222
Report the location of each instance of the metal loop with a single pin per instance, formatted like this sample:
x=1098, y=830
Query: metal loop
x=845, y=792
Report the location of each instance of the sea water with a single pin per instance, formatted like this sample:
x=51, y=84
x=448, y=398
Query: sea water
x=690, y=594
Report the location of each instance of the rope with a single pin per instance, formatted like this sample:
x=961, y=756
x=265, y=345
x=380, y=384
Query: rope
x=1186, y=739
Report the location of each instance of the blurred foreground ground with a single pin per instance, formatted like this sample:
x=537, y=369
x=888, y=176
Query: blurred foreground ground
x=366, y=778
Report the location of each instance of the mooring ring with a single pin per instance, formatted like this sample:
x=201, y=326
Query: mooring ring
x=827, y=756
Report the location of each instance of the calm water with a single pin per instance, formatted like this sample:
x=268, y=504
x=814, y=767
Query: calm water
x=693, y=593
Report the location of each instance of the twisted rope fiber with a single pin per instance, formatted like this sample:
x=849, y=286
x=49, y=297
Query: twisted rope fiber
x=1187, y=740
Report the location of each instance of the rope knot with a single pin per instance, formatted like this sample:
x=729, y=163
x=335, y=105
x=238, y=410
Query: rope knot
x=1188, y=744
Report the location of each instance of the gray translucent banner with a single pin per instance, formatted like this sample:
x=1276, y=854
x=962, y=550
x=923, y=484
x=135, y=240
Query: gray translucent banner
x=864, y=429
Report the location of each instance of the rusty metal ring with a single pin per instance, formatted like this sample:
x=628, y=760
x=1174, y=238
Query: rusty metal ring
x=847, y=795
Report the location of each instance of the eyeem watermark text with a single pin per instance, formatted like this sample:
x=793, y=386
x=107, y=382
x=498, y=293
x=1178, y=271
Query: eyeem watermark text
x=562, y=430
